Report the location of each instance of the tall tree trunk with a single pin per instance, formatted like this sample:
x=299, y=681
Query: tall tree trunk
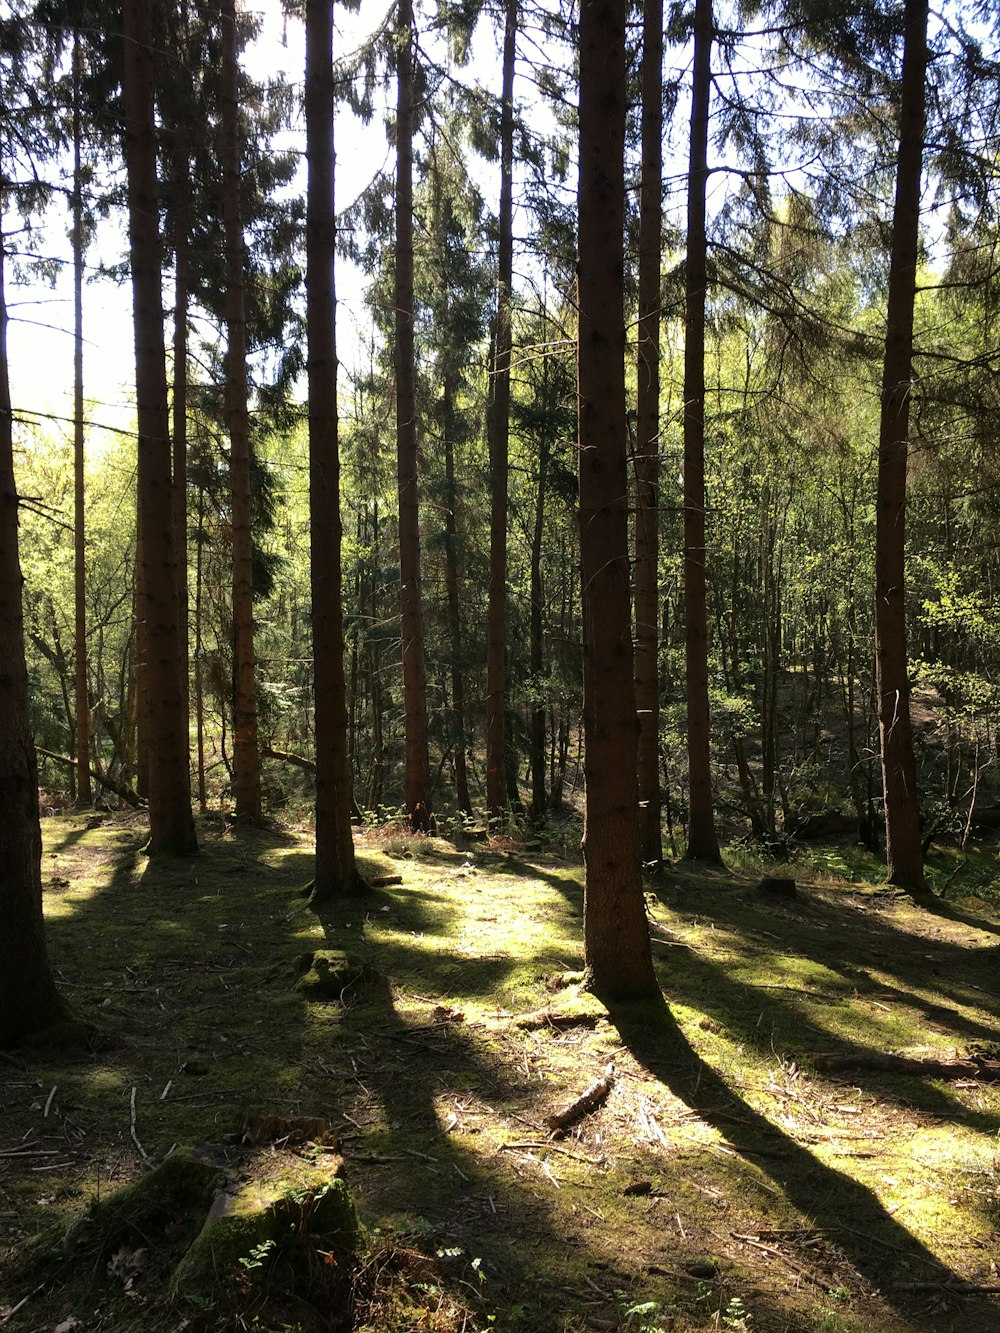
x=536, y=664
x=182, y=245
x=28, y=999
x=647, y=450
x=171, y=825
x=452, y=592
x=336, y=873
x=84, y=795
x=246, y=756
x=904, y=854
x=417, y=763
x=498, y=429
x=199, y=675
x=702, y=841
x=616, y=937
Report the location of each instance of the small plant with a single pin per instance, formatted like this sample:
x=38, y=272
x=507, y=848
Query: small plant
x=736, y=1316
x=258, y=1256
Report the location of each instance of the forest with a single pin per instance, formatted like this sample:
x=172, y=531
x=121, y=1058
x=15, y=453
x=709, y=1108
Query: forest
x=498, y=791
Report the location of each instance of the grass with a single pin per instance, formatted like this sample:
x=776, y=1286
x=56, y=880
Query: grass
x=728, y=1182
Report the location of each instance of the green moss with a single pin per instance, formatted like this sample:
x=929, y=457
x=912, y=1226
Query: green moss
x=248, y=1230
x=326, y=974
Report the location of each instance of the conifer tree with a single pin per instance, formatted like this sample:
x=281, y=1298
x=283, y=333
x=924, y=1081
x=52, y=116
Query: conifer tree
x=702, y=841
x=170, y=818
x=336, y=873
x=616, y=937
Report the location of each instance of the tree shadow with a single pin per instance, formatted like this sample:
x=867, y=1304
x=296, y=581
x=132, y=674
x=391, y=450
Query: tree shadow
x=888, y=1256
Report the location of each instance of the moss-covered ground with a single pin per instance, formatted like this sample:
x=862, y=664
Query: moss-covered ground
x=726, y=1182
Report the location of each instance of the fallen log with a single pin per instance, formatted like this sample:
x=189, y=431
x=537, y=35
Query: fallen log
x=987, y=1071
x=123, y=793
x=307, y=766
x=588, y=1101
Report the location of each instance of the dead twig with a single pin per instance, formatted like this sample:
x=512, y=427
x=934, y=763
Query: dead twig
x=822, y=1283
x=588, y=1101
x=135, y=1137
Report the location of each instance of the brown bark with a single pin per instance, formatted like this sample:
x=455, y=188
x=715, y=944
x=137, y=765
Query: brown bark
x=336, y=873
x=182, y=241
x=199, y=683
x=417, y=763
x=536, y=751
x=702, y=841
x=647, y=449
x=616, y=938
x=171, y=824
x=246, y=759
x=452, y=593
x=28, y=999
x=498, y=429
x=904, y=853
x=84, y=794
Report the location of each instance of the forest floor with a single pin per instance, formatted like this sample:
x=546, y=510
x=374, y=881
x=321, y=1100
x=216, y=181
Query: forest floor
x=728, y=1181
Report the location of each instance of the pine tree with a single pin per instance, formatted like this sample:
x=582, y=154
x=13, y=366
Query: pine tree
x=336, y=873
x=616, y=937
x=170, y=819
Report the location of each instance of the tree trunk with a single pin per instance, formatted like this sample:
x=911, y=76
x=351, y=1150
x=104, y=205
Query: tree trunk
x=182, y=243
x=417, y=762
x=452, y=592
x=647, y=447
x=702, y=841
x=84, y=794
x=536, y=749
x=28, y=998
x=616, y=938
x=904, y=854
x=498, y=429
x=171, y=825
x=199, y=681
x=246, y=758
x=336, y=873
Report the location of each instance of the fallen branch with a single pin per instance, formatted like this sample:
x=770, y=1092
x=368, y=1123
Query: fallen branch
x=307, y=766
x=284, y=757
x=952, y=1288
x=793, y=1264
x=588, y=1101
x=123, y=793
x=553, y=1018
x=135, y=1137
x=988, y=1071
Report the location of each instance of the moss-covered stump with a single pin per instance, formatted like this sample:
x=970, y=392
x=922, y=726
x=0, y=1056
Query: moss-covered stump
x=165, y=1208
x=289, y=1221
x=327, y=973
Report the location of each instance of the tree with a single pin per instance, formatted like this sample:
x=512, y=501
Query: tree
x=647, y=448
x=336, y=873
x=904, y=852
x=616, y=937
x=498, y=427
x=83, y=789
x=171, y=825
x=246, y=756
x=702, y=841
x=417, y=761
x=28, y=998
